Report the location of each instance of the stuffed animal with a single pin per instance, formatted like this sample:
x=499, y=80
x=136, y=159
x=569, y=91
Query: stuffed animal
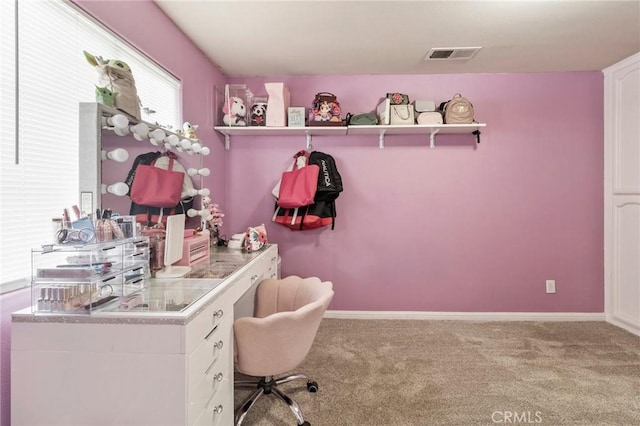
x=115, y=75
x=234, y=112
x=259, y=114
x=105, y=96
x=190, y=130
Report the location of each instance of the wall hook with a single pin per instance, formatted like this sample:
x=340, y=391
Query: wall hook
x=477, y=133
x=309, y=146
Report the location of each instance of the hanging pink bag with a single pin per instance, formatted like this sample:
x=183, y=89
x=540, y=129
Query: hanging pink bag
x=156, y=187
x=298, y=186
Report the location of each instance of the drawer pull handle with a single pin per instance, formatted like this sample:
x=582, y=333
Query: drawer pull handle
x=218, y=344
x=218, y=377
x=219, y=313
x=217, y=410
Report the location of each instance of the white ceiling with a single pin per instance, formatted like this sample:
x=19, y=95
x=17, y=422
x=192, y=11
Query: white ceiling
x=311, y=37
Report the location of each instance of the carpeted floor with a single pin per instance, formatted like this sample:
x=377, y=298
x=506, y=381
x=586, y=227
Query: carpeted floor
x=405, y=372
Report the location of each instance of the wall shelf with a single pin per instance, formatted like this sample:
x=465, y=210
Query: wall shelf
x=417, y=129
x=307, y=132
x=381, y=130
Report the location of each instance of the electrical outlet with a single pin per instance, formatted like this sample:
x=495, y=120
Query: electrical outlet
x=551, y=286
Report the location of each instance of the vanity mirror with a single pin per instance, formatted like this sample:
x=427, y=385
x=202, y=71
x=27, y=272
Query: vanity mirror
x=110, y=144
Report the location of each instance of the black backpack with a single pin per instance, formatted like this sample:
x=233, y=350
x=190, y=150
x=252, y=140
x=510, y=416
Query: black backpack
x=329, y=179
x=323, y=210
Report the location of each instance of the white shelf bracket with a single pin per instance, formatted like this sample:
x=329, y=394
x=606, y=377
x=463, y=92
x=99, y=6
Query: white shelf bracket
x=432, y=138
x=227, y=142
x=381, y=140
x=309, y=146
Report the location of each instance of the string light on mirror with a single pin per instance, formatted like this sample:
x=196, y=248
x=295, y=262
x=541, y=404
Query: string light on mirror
x=119, y=123
x=156, y=137
x=117, y=120
x=119, y=188
x=204, y=213
x=119, y=154
x=185, y=144
x=140, y=131
x=203, y=192
x=202, y=172
x=172, y=141
x=196, y=147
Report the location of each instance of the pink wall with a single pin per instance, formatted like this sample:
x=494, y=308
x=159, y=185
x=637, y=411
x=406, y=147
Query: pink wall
x=143, y=24
x=459, y=228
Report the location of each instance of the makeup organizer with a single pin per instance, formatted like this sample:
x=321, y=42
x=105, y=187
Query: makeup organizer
x=80, y=278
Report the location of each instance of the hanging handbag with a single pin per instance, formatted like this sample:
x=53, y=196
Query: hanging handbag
x=298, y=186
x=156, y=187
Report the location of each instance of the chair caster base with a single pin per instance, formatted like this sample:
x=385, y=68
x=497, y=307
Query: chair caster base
x=312, y=386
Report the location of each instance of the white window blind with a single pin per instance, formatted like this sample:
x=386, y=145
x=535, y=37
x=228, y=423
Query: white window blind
x=47, y=79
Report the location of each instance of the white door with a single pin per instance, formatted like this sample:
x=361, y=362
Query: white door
x=622, y=194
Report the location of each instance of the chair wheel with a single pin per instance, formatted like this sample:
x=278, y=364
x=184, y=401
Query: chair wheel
x=312, y=386
x=306, y=423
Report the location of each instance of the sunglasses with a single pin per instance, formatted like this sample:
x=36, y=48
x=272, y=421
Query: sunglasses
x=84, y=235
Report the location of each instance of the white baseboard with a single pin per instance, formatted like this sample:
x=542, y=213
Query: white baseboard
x=468, y=316
x=620, y=322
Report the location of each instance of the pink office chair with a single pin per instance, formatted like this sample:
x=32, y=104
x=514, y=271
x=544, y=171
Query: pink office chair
x=277, y=339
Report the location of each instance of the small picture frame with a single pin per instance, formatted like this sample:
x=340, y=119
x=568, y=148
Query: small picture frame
x=296, y=117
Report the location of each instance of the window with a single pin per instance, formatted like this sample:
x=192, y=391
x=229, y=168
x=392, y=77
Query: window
x=44, y=78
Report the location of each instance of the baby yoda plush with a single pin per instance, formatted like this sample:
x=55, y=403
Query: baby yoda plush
x=105, y=96
x=115, y=75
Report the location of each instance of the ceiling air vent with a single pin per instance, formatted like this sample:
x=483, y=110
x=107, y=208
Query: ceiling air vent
x=452, y=53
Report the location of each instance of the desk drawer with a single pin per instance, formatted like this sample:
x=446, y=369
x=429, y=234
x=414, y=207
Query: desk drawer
x=217, y=410
x=213, y=387
x=200, y=327
x=267, y=266
x=208, y=353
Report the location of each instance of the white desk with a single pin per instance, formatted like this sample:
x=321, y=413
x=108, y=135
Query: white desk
x=166, y=364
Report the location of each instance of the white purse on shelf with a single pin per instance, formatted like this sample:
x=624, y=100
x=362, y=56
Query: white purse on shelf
x=429, y=117
x=402, y=114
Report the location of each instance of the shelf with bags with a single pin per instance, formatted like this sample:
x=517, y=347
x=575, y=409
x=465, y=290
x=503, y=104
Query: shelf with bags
x=381, y=130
